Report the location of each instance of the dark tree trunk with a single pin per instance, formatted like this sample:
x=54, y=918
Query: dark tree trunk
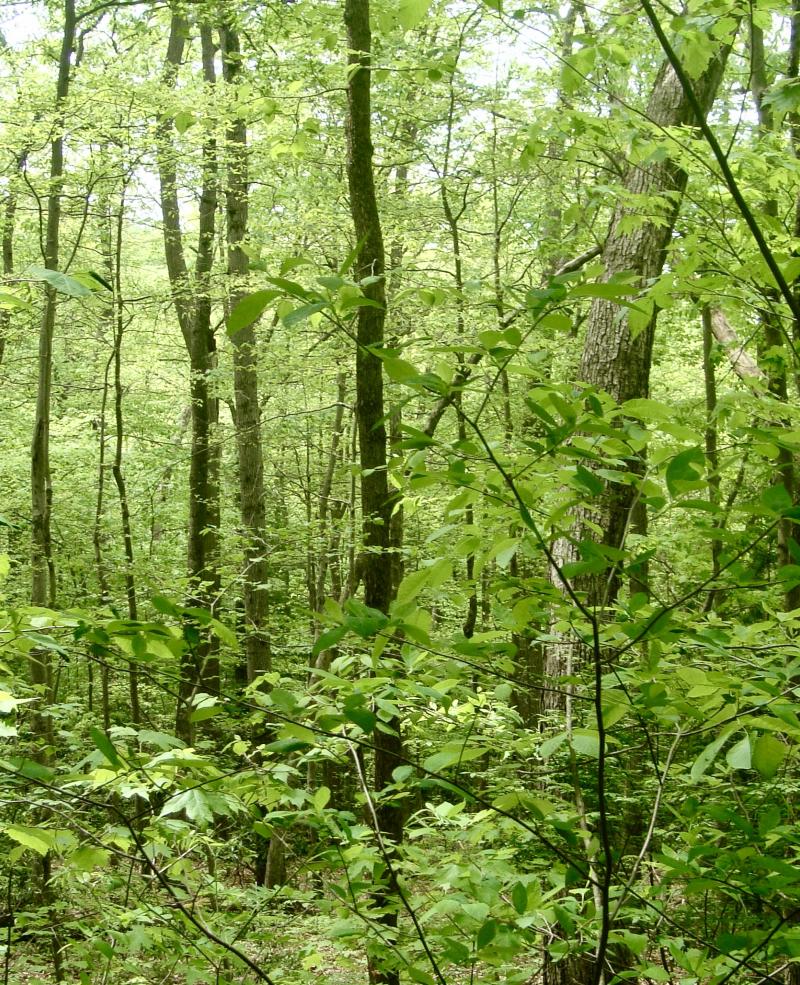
x=375, y=497
x=43, y=575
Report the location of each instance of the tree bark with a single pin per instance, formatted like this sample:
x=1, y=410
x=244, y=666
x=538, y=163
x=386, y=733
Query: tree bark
x=375, y=497
x=773, y=334
x=43, y=574
x=245, y=384
x=615, y=359
x=192, y=300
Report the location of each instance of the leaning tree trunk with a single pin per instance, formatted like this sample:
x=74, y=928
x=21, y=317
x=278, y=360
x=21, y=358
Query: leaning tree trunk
x=375, y=497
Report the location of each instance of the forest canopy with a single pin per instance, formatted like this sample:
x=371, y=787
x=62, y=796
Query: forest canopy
x=399, y=570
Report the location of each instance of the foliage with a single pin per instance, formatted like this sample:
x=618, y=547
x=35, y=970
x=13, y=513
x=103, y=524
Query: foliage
x=640, y=803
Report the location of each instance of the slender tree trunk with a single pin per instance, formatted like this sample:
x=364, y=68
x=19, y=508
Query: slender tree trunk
x=711, y=442
x=43, y=575
x=104, y=595
x=8, y=226
x=192, y=300
x=114, y=268
x=375, y=498
x=245, y=384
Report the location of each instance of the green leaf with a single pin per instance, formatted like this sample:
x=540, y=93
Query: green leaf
x=432, y=576
x=768, y=754
x=39, y=840
x=106, y=747
x=224, y=633
x=166, y=606
x=412, y=12
x=453, y=752
x=8, y=702
x=549, y=746
x=586, y=742
x=608, y=290
x=321, y=798
x=685, y=471
x=586, y=480
x=88, y=857
x=328, y=639
x=9, y=300
x=784, y=96
x=106, y=949
x=361, y=716
x=303, y=312
x=62, y=283
x=183, y=120
x=647, y=410
x=739, y=756
x=776, y=499
x=249, y=310
x=204, y=712
x=519, y=898
x=292, y=263
x=486, y=934
x=709, y=754
x=291, y=287
x=194, y=802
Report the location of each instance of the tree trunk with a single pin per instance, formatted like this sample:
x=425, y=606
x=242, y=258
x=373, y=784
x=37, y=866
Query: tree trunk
x=114, y=267
x=773, y=336
x=200, y=665
x=43, y=575
x=8, y=226
x=615, y=359
x=375, y=498
x=245, y=383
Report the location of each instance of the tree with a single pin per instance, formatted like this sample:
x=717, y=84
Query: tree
x=376, y=505
x=192, y=299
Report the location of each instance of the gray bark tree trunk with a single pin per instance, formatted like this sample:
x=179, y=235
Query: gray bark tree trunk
x=192, y=300
x=245, y=384
x=615, y=359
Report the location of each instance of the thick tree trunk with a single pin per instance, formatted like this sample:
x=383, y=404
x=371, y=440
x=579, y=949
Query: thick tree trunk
x=773, y=335
x=615, y=359
x=375, y=498
x=618, y=361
